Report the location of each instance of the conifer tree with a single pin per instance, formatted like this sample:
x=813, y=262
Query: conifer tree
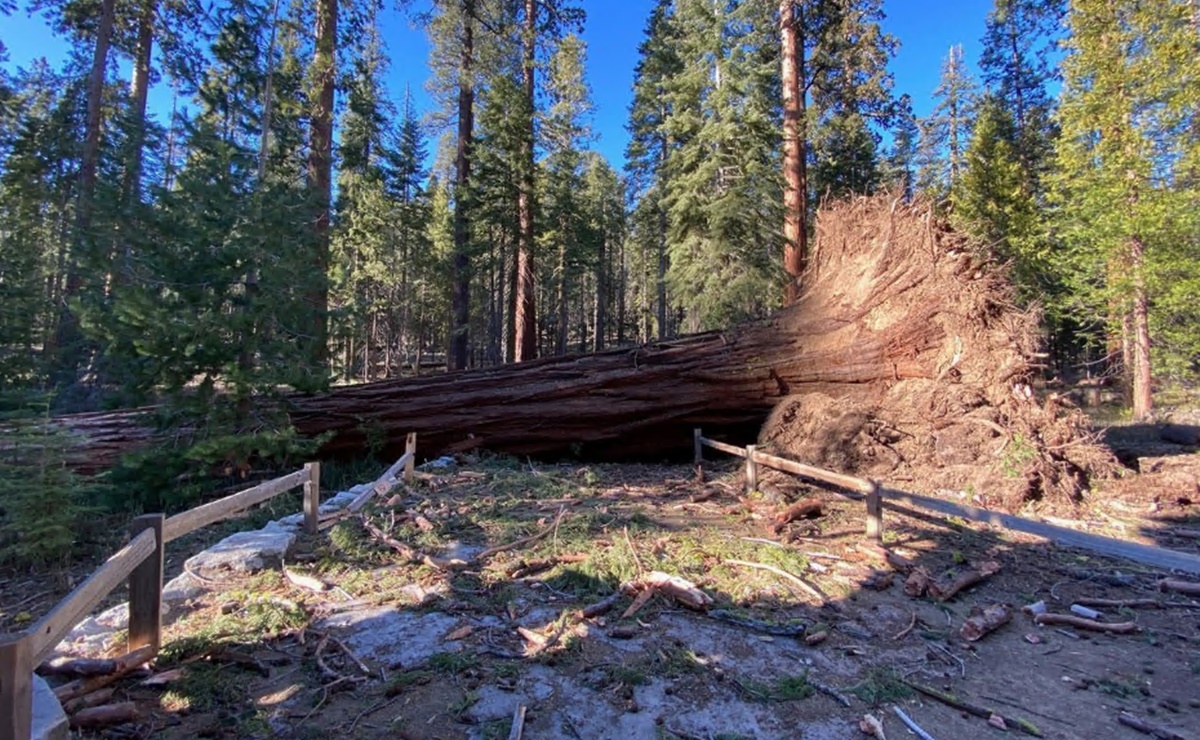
x=1126, y=203
x=945, y=132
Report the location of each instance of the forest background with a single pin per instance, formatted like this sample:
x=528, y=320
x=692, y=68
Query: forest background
x=203, y=203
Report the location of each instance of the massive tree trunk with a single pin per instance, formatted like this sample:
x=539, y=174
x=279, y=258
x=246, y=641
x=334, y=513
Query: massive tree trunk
x=526, y=316
x=460, y=293
x=896, y=320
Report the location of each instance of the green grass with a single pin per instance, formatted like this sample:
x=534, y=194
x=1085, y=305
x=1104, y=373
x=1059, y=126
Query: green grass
x=882, y=686
x=783, y=688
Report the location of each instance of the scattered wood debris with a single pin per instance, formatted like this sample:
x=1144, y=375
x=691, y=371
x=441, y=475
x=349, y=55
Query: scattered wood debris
x=1183, y=587
x=107, y=715
x=1070, y=620
x=962, y=705
x=985, y=620
x=1145, y=727
x=807, y=509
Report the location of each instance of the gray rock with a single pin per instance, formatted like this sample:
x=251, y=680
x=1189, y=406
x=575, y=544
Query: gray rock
x=182, y=588
x=394, y=637
x=49, y=720
x=341, y=500
x=244, y=552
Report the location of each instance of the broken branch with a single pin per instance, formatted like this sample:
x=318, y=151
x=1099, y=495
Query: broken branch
x=964, y=706
x=784, y=575
x=985, y=621
x=1117, y=628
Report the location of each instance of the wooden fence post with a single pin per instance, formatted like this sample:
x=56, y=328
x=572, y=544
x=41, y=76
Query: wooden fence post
x=410, y=449
x=874, y=514
x=751, y=470
x=146, y=589
x=698, y=454
x=16, y=687
x=312, y=497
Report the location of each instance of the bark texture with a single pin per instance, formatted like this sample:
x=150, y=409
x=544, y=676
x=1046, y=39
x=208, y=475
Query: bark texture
x=320, y=172
x=901, y=351
x=795, y=207
x=460, y=293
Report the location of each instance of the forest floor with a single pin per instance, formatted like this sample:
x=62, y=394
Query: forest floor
x=405, y=649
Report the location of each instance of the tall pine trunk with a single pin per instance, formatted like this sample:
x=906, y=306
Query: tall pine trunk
x=66, y=348
x=460, y=295
x=601, y=313
x=795, y=209
x=1140, y=319
x=526, y=317
x=320, y=174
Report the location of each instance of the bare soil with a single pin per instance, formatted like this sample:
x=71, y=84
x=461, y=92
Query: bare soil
x=445, y=659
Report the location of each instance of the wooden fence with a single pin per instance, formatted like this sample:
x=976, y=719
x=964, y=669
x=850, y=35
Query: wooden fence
x=141, y=562
x=879, y=497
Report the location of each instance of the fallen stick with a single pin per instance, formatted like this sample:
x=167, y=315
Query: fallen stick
x=1129, y=603
x=965, y=580
x=1144, y=727
x=524, y=540
x=78, y=667
x=894, y=560
x=123, y=665
x=908, y=721
x=350, y=654
x=1183, y=587
x=807, y=508
x=983, y=622
x=518, y=723
x=641, y=600
x=404, y=550
x=104, y=716
x=904, y=632
x=963, y=706
x=1117, y=628
x=606, y=604
x=782, y=574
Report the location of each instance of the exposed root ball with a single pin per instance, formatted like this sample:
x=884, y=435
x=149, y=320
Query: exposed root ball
x=973, y=421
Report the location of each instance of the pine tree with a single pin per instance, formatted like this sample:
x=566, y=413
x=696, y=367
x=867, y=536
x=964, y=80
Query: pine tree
x=722, y=190
x=993, y=203
x=1016, y=65
x=647, y=153
x=1127, y=209
x=945, y=132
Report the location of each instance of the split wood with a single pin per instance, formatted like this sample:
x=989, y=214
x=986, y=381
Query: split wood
x=870, y=725
x=807, y=508
x=1183, y=587
x=1145, y=727
x=303, y=581
x=984, y=621
x=518, y=723
x=964, y=706
x=1117, y=628
x=123, y=666
x=784, y=575
x=104, y=716
x=94, y=699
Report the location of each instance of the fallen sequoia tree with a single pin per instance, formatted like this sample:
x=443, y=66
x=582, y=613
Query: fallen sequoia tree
x=902, y=355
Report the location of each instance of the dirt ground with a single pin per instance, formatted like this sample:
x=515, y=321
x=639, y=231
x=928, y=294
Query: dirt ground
x=432, y=650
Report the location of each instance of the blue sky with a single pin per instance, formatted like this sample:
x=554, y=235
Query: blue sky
x=925, y=28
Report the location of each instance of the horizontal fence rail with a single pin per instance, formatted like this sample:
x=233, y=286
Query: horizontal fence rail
x=141, y=564
x=879, y=497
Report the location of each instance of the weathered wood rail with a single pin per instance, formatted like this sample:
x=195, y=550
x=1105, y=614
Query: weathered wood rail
x=878, y=497
x=141, y=563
